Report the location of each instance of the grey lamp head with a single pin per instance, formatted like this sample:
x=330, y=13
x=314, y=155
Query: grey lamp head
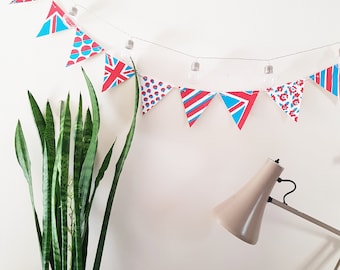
x=242, y=213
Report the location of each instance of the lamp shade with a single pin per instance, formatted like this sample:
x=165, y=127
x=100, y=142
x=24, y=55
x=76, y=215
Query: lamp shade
x=241, y=214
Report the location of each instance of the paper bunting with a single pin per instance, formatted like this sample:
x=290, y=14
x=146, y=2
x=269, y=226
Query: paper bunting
x=83, y=48
x=56, y=21
x=116, y=72
x=328, y=79
x=195, y=102
x=288, y=97
x=239, y=104
x=152, y=92
x=20, y=1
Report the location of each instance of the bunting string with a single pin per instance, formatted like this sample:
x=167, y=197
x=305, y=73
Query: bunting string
x=287, y=96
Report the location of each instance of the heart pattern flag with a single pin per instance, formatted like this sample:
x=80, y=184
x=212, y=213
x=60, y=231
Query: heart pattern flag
x=328, y=79
x=115, y=72
x=56, y=21
x=83, y=48
x=195, y=102
x=288, y=97
x=239, y=104
x=20, y=1
x=152, y=92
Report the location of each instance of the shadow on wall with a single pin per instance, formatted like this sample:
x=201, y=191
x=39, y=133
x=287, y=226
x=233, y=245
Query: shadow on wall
x=323, y=255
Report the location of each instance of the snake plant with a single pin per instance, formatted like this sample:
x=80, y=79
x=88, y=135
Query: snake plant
x=69, y=179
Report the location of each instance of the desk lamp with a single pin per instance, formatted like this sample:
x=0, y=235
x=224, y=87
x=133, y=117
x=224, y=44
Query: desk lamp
x=242, y=213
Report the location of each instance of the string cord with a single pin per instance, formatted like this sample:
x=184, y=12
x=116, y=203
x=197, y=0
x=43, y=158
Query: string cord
x=202, y=57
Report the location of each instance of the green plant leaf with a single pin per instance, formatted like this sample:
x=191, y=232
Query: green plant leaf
x=77, y=161
x=38, y=118
x=65, y=131
x=48, y=164
x=119, y=167
x=25, y=164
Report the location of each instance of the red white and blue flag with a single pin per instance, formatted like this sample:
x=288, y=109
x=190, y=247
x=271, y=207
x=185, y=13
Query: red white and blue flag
x=328, y=79
x=195, y=102
x=19, y=1
x=152, y=92
x=56, y=21
x=83, y=48
x=288, y=97
x=116, y=72
x=239, y=104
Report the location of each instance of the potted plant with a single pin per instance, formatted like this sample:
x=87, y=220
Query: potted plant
x=63, y=227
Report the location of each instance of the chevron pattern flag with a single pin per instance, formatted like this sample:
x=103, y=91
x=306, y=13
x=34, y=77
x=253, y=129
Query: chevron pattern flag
x=20, y=1
x=239, y=104
x=288, y=97
x=83, y=48
x=328, y=79
x=115, y=72
x=152, y=92
x=195, y=102
x=56, y=21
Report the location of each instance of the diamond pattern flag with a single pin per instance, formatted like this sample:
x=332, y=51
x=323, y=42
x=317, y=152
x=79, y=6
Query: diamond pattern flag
x=195, y=102
x=288, y=97
x=115, y=72
x=20, y=1
x=328, y=79
x=152, y=92
x=56, y=21
x=239, y=104
x=83, y=48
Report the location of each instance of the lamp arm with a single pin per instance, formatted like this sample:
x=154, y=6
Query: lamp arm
x=304, y=216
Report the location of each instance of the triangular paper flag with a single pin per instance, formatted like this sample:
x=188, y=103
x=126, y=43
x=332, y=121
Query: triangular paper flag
x=288, y=97
x=239, y=104
x=195, y=102
x=328, y=79
x=116, y=72
x=56, y=21
x=20, y=1
x=83, y=48
x=152, y=92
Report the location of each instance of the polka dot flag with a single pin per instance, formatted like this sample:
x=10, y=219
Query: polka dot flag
x=152, y=92
x=83, y=48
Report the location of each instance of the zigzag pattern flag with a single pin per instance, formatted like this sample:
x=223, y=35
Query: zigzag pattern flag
x=152, y=92
x=239, y=104
x=288, y=97
x=328, y=79
x=83, y=48
x=20, y=1
x=195, y=102
x=116, y=72
x=56, y=21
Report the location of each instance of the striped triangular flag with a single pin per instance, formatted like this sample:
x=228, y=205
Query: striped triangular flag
x=328, y=79
x=195, y=102
x=239, y=104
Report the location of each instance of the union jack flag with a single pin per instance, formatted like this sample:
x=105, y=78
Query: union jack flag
x=239, y=105
x=116, y=72
x=56, y=21
x=195, y=102
x=328, y=79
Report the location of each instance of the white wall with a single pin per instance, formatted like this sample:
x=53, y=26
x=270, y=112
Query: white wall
x=174, y=174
